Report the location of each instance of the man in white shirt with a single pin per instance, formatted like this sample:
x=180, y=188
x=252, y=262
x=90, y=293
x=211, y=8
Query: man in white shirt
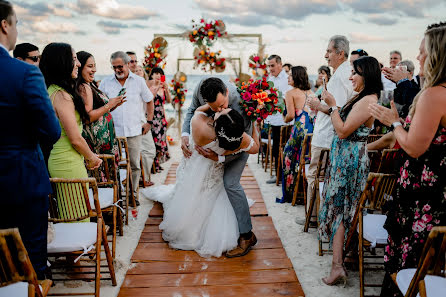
x=148, y=148
x=130, y=119
x=278, y=76
x=341, y=88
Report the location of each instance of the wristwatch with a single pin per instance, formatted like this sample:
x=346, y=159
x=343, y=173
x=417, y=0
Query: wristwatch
x=331, y=109
x=149, y=122
x=394, y=125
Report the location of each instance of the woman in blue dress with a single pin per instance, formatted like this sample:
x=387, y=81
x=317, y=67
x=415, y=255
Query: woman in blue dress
x=295, y=103
x=349, y=164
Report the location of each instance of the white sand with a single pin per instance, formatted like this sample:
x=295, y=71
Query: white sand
x=300, y=247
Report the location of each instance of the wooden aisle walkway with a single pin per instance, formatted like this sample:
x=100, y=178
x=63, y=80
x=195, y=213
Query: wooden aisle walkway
x=158, y=270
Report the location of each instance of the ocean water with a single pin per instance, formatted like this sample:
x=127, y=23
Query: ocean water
x=191, y=84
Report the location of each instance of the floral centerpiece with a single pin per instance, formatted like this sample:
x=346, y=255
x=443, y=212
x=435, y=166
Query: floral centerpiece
x=260, y=99
x=209, y=60
x=155, y=54
x=204, y=33
x=178, y=92
x=257, y=64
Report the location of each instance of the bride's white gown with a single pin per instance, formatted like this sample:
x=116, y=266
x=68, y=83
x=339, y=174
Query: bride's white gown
x=197, y=212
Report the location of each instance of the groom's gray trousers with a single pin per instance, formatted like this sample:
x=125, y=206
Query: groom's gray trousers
x=231, y=179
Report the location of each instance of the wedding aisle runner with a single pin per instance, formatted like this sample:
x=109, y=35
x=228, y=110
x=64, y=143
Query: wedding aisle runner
x=157, y=270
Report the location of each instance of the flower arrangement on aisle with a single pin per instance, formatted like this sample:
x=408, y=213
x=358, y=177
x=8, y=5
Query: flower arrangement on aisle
x=258, y=65
x=209, y=60
x=178, y=92
x=155, y=54
x=204, y=33
x=260, y=99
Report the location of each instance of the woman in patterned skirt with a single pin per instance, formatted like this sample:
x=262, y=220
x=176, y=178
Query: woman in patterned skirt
x=295, y=103
x=420, y=200
x=159, y=126
x=349, y=164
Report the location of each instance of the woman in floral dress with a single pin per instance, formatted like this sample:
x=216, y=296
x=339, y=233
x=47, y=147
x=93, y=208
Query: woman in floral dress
x=98, y=131
x=348, y=167
x=159, y=125
x=295, y=102
x=420, y=199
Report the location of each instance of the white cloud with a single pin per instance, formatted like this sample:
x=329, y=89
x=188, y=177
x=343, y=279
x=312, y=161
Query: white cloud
x=357, y=37
x=52, y=28
x=112, y=9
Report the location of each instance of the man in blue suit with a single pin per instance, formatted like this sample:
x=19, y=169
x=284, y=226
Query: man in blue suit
x=26, y=118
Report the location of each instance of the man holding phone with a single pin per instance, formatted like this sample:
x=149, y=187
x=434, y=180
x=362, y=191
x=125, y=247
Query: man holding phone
x=133, y=119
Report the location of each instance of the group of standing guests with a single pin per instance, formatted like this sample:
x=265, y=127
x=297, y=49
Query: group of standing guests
x=346, y=112
x=59, y=120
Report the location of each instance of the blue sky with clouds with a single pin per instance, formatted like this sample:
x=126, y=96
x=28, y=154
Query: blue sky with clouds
x=297, y=30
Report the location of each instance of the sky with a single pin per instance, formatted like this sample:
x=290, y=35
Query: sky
x=296, y=30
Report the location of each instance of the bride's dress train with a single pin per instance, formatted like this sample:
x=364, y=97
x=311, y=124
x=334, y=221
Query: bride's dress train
x=197, y=212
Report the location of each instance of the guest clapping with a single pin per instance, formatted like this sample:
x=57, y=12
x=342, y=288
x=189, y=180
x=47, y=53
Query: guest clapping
x=99, y=131
x=349, y=163
x=59, y=66
x=420, y=200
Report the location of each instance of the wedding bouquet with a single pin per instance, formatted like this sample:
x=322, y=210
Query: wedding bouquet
x=207, y=33
x=257, y=64
x=260, y=99
x=178, y=92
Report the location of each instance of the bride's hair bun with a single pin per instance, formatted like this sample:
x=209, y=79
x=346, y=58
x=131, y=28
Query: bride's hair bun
x=229, y=129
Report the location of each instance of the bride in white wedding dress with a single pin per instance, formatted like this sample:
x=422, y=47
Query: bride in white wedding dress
x=197, y=212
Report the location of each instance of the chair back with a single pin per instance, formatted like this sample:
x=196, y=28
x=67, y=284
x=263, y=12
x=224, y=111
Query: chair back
x=123, y=150
x=388, y=162
x=306, y=149
x=15, y=265
x=106, y=174
x=322, y=164
x=375, y=159
x=373, y=137
x=285, y=132
x=70, y=202
x=432, y=260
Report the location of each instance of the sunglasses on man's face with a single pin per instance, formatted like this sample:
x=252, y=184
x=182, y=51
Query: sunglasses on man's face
x=133, y=61
x=34, y=58
x=119, y=67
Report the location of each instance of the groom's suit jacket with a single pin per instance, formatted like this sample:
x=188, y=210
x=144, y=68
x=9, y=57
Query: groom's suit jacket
x=197, y=101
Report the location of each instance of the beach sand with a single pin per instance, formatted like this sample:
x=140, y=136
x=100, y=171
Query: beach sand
x=300, y=247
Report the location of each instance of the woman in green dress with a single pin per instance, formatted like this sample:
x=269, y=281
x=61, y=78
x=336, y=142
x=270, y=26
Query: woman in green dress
x=99, y=131
x=59, y=66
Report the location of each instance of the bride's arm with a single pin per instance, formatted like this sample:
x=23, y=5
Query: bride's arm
x=246, y=143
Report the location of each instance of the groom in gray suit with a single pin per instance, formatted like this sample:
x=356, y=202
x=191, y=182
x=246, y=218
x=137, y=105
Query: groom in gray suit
x=219, y=96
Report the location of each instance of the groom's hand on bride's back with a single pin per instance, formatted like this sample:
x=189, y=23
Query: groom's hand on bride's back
x=185, y=146
x=207, y=153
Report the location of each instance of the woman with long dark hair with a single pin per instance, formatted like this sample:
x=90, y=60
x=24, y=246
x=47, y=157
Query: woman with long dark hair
x=159, y=125
x=349, y=164
x=295, y=100
x=99, y=131
x=59, y=66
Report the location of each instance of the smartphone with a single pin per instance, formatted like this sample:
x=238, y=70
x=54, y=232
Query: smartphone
x=163, y=78
x=324, y=83
x=122, y=92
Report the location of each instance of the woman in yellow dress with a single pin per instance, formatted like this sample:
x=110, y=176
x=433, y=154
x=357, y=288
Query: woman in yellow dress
x=59, y=66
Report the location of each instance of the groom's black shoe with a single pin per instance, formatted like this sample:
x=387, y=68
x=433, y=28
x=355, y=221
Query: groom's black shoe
x=244, y=246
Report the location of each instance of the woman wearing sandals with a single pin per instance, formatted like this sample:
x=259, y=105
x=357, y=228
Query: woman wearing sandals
x=349, y=164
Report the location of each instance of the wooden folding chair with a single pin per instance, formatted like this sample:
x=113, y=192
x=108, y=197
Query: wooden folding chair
x=70, y=204
x=317, y=187
x=375, y=159
x=285, y=132
x=430, y=274
x=269, y=152
x=371, y=233
x=373, y=137
x=107, y=181
x=389, y=160
x=301, y=179
x=125, y=172
x=17, y=275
